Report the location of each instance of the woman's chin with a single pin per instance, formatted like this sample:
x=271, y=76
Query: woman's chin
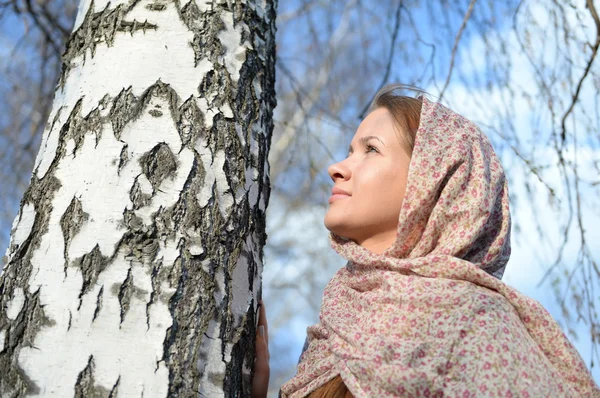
x=331, y=224
x=338, y=224
x=337, y=230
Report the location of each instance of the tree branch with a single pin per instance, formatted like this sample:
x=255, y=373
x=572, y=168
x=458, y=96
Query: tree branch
x=455, y=47
x=390, y=58
x=42, y=27
x=575, y=98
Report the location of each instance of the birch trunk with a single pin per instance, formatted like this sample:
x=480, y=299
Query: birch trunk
x=135, y=259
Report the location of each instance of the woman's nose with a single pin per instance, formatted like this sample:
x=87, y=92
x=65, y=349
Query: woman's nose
x=338, y=171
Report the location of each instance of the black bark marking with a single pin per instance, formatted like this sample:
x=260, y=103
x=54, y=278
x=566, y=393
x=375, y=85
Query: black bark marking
x=141, y=246
x=134, y=26
x=98, y=303
x=247, y=109
x=235, y=155
x=98, y=27
x=93, y=126
x=123, y=158
x=156, y=290
x=191, y=123
x=186, y=214
x=91, y=265
x=33, y=318
x=140, y=243
x=216, y=87
x=125, y=293
x=49, y=127
x=192, y=307
x=85, y=379
x=157, y=6
x=132, y=222
x=158, y=164
x=242, y=355
x=77, y=127
x=70, y=223
x=85, y=387
x=115, y=389
x=206, y=27
x=120, y=113
x=126, y=107
x=149, y=248
x=74, y=127
x=16, y=274
x=21, y=333
x=138, y=198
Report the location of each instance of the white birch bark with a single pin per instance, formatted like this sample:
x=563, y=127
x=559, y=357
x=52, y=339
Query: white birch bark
x=134, y=263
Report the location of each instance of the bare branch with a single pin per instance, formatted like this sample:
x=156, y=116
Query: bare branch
x=455, y=47
x=594, y=47
x=390, y=57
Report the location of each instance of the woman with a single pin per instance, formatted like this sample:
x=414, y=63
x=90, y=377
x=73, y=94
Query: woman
x=420, y=210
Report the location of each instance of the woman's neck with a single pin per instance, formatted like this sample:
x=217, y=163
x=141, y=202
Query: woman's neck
x=378, y=243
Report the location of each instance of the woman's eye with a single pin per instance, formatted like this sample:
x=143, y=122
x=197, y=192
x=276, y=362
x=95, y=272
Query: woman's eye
x=371, y=148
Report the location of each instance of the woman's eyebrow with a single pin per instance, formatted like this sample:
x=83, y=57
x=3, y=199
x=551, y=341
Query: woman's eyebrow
x=364, y=140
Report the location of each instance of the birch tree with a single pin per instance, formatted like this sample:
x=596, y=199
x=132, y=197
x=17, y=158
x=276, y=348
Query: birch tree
x=135, y=259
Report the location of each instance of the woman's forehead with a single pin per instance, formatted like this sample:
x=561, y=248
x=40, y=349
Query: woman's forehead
x=378, y=126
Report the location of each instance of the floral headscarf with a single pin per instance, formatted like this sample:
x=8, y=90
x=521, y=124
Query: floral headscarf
x=429, y=317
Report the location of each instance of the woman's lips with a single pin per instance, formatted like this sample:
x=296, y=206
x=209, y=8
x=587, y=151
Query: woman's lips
x=338, y=193
x=337, y=196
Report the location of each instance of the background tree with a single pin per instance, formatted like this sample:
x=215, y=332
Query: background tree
x=525, y=71
x=135, y=259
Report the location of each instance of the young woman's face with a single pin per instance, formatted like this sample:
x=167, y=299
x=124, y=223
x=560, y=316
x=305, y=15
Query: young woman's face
x=369, y=185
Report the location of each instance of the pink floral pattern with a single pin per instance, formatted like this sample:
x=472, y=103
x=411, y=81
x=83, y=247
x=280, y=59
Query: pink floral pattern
x=429, y=317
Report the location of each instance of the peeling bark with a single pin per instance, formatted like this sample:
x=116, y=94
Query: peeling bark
x=135, y=259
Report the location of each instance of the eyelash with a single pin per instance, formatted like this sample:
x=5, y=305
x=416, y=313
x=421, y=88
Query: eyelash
x=371, y=147
x=368, y=149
